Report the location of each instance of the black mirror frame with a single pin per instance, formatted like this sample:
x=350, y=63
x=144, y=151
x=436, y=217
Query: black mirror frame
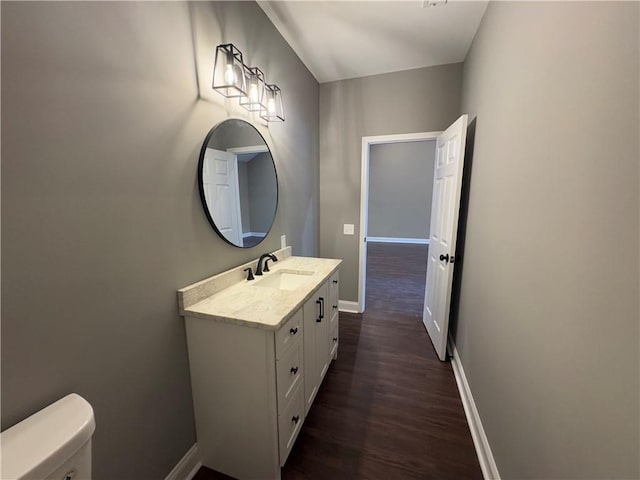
x=201, y=182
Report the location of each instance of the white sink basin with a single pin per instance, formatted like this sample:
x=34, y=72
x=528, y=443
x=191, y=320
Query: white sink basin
x=284, y=279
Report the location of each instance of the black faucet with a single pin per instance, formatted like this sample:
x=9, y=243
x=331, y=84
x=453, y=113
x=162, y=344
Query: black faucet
x=266, y=257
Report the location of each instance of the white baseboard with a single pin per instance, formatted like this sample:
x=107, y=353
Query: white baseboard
x=254, y=234
x=348, y=307
x=480, y=441
x=421, y=241
x=188, y=465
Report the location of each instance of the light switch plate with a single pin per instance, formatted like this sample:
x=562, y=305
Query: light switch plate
x=349, y=229
x=283, y=241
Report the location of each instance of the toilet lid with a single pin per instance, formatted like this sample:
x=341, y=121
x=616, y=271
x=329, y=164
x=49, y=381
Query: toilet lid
x=41, y=443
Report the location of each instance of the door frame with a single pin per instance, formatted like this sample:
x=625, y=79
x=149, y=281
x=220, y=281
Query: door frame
x=364, y=202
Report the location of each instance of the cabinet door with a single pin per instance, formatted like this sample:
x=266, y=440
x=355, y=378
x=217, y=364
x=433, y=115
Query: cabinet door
x=315, y=343
x=322, y=337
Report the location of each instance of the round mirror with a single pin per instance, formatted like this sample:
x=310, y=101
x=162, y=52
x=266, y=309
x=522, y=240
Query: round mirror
x=238, y=183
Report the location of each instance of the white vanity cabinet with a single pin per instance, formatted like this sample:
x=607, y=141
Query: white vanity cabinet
x=250, y=381
x=248, y=394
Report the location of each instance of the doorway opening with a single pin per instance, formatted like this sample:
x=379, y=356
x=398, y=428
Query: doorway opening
x=390, y=226
x=446, y=184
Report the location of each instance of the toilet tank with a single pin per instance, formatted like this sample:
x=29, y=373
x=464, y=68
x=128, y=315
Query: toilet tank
x=54, y=443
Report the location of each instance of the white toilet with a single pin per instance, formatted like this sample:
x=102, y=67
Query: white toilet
x=54, y=443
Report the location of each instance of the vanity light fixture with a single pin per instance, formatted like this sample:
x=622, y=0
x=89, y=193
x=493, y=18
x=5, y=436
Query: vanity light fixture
x=273, y=111
x=232, y=78
x=229, y=71
x=252, y=101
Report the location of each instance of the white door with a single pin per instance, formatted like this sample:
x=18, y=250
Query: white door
x=221, y=192
x=445, y=204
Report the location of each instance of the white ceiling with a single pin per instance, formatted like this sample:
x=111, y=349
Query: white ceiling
x=347, y=39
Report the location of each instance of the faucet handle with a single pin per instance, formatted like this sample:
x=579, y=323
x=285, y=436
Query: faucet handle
x=250, y=274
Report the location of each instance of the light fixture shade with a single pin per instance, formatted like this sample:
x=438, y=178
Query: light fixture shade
x=273, y=110
x=228, y=71
x=254, y=79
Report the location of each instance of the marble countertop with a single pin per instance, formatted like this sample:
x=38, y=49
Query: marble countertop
x=246, y=303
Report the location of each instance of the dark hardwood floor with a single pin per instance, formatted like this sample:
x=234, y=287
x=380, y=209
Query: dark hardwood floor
x=388, y=408
x=251, y=241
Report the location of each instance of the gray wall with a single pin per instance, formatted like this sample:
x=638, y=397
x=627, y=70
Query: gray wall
x=263, y=194
x=421, y=100
x=400, y=187
x=258, y=193
x=548, y=318
x=243, y=189
x=101, y=218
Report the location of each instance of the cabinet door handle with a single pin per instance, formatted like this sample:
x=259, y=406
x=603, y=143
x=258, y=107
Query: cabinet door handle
x=319, y=319
x=294, y=370
x=293, y=331
x=335, y=339
x=295, y=419
x=321, y=307
x=335, y=281
x=335, y=307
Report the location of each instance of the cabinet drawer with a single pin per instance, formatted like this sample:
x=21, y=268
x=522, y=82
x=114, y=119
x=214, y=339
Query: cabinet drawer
x=334, y=339
x=289, y=374
x=287, y=335
x=290, y=422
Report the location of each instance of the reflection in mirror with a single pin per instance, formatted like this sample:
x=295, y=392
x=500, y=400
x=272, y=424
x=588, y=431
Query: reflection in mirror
x=238, y=183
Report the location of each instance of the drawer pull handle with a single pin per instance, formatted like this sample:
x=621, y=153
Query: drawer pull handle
x=335, y=281
x=293, y=331
x=335, y=339
x=320, y=302
x=295, y=419
x=294, y=370
x=335, y=307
